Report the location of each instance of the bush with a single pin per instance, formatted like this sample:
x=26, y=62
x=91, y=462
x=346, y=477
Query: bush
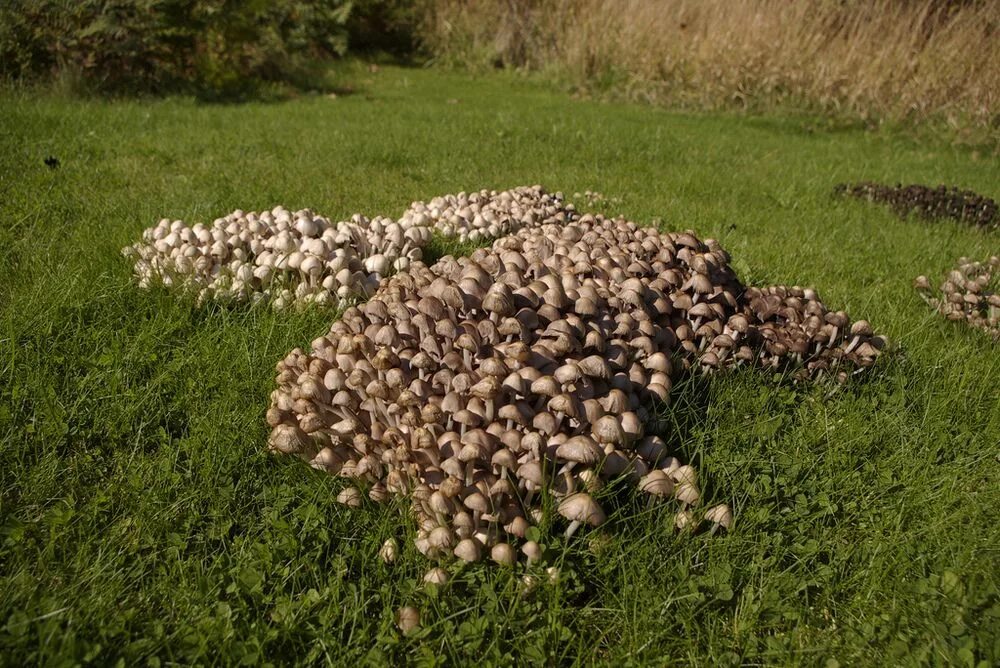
x=387, y=26
x=221, y=46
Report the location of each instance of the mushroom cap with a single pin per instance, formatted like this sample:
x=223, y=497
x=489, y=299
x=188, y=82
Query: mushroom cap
x=350, y=497
x=546, y=385
x=580, y=449
x=487, y=388
x=580, y=507
x=468, y=549
x=516, y=411
x=721, y=515
x=544, y=422
x=531, y=471
x=595, y=366
x=436, y=576
x=499, y=300
x=477, y=502
x=504, y=458
x=466, y=417
x=657, y=483
x=288, y=439
x=441, y=538
x=685, y=474
x=608, y=429
x=532, y=550
x=503, y=554
x=683, y=519
x=408, y=619
x=517, y=527
x=862, y=328
x=389, y=551
x=687, y=493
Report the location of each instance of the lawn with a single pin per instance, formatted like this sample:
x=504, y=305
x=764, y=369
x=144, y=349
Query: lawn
x=143, y=521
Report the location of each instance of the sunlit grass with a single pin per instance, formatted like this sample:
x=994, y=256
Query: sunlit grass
x=141, y=517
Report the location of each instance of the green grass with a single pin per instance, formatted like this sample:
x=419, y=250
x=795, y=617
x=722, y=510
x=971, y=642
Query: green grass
x=144, y=523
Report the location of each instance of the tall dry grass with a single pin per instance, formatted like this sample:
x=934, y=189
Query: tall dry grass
x=878, y=60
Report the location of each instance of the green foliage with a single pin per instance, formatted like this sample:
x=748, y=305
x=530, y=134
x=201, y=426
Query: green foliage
x=221, y=46
x=388, y=26
x=142, y=523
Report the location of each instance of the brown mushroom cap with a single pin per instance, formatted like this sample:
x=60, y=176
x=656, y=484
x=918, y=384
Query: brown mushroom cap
x=468, y=549
x=580, y=507
x=580, y=449
x=657, y=483
x=720, y=515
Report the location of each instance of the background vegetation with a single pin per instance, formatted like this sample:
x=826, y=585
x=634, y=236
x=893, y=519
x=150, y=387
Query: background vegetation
x=220, y=48
x=910, y=61
x=142, y=521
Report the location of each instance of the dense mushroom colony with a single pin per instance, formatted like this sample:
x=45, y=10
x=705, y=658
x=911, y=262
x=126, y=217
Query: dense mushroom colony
x=489, y=214
x=482, y=385
x=289, y=258
x=927, y=202
x=970, y=293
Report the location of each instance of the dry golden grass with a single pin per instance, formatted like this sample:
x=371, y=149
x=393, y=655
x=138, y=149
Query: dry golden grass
x=876, y=60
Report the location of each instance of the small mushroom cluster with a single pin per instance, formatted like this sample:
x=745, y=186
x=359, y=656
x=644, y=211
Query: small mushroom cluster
x=928, y=202
x=593, y=198
x=483, y=385
x=289, y=258
x=788, y=329
x=970, y=293
x=488, y=214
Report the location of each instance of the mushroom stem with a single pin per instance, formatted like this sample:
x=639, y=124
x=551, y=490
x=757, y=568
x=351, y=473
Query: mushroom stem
x=570, y=484
x=571, y=529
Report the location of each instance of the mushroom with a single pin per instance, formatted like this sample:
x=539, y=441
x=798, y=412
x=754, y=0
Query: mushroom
x=719, y=516
x=437, y=576
x=468, y=549
x=457, y=384
x=350, y=497
x=408, y=619
x=532, y=551
x=657, y=484
x=579, y=508
x=389, y=551
x=503, y=554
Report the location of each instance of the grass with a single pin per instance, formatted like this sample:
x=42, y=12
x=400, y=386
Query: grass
x=930, y=63
x=143, y=522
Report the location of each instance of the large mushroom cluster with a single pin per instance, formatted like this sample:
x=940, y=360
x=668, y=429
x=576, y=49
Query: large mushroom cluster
x=928, y=202
x=488, y=214
x=277, y=255
x=970, y=293
x=483, y=386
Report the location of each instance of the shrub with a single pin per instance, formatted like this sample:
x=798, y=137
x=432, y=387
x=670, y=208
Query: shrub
x=157, y=45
